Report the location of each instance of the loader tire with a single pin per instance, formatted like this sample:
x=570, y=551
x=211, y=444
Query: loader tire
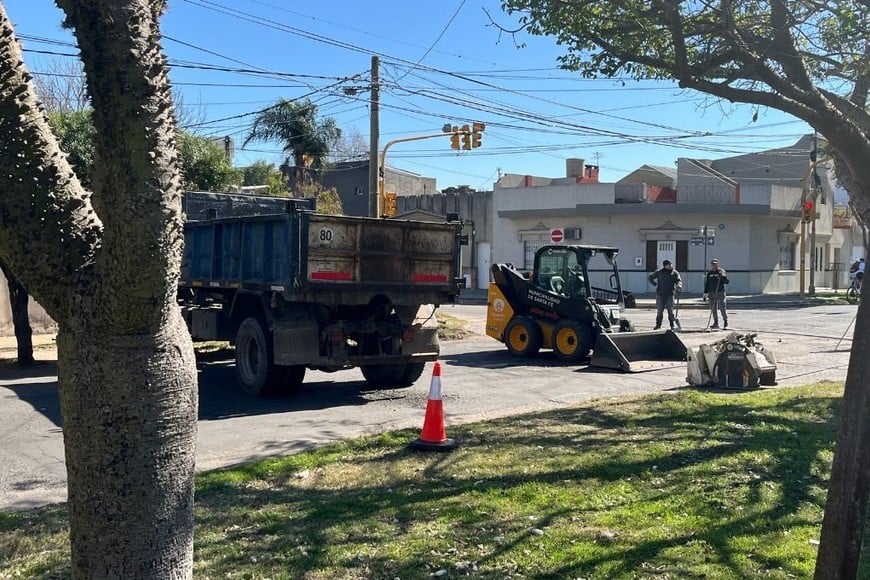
x=523, y=337
x=571, y=341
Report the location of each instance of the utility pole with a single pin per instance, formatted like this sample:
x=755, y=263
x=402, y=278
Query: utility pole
x=374, y=167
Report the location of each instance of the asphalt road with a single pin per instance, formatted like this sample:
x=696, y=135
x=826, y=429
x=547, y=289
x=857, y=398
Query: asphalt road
x=479, y=379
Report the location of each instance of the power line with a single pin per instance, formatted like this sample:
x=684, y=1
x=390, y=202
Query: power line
x=440, y=35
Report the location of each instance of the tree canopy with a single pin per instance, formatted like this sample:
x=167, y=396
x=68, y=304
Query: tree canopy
x=296, y=127
x=205, y=166
x=204, y=163
x=265, y=173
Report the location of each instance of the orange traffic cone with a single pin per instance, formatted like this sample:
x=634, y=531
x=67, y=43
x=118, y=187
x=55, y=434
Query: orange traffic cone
x=434, y=437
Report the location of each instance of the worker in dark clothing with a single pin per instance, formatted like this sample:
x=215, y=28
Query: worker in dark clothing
x=668, y=283
x=714, y=290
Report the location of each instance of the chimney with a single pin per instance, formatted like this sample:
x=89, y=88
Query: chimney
x=590, y=174
x=574, y=167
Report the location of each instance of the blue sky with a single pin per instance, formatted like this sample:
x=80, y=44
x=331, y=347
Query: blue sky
x=442, y=62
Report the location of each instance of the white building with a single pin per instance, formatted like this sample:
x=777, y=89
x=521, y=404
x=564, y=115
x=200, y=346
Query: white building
x=751, y=205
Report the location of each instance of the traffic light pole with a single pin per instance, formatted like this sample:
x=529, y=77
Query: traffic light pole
x=803, y=250
x=382, y=168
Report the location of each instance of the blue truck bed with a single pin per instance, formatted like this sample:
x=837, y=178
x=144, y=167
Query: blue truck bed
x=280, y=245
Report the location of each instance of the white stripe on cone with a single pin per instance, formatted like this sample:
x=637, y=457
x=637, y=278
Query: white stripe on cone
x=435, y=385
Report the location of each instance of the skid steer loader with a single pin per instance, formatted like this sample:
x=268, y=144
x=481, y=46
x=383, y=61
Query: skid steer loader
x=556, y=307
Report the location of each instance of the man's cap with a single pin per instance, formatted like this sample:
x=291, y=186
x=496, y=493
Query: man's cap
x=714, y=261
x=666, y=262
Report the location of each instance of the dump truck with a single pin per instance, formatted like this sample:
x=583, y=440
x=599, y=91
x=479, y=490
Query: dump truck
x=293, y=289
x=557, y=307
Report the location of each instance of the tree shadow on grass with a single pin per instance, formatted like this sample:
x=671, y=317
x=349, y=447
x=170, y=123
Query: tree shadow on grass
x=311, y=530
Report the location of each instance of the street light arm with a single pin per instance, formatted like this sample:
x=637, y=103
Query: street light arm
x=382, y=165
x=402, y=140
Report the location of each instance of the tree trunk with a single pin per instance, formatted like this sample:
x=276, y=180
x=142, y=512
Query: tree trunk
x=107, y=269
x=129, y=420
x=849, y=488
x=18, y=301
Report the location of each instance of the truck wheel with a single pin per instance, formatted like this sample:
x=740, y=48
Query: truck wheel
x=255, y=367
x=523, y=336
x=571, y=341
x=292, y=378
x=384, y=376
x=412, y=373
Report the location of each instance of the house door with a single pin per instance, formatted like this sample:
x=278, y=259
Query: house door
x=666, y=251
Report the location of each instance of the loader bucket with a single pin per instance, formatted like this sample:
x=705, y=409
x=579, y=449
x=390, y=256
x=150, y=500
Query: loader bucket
x=639, y=351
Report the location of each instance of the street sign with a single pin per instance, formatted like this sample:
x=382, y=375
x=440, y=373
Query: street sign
x=696, y=241
x=556, y=235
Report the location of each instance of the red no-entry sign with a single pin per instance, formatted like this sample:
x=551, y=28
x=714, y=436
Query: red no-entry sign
x=557, y=235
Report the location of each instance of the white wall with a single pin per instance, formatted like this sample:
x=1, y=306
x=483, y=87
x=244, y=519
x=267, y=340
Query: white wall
x=740, y=245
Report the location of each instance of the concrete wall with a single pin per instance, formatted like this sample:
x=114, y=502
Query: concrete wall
x=747, y=246
x=474, y=208
x=351, y=180
x=550, y=197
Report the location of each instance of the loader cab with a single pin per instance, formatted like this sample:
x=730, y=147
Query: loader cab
x=567, y=271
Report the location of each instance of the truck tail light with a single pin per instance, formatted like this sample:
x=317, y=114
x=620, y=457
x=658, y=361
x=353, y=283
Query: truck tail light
x=408, y=334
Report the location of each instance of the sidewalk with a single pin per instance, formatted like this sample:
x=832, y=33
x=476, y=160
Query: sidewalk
x=694, y=301
x=43, y=347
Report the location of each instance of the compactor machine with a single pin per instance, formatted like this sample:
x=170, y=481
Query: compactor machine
x=556, y=307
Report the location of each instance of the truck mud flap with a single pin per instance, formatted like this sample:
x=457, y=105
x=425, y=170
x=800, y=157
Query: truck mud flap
x=634, y=352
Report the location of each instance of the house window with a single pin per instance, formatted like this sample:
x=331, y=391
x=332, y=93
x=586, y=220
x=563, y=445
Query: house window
x=786, y=255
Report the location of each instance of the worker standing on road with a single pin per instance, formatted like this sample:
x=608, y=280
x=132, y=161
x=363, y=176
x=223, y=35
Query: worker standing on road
x=714, y=290
x=667, y=282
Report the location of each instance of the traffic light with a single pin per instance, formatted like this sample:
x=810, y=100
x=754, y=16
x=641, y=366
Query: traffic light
x=391, y=204
x=476, y=130
x=466, y=141
x=454, y=140
x=807, y=211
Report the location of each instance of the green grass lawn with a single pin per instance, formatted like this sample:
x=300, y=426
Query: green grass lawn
x=681, y=486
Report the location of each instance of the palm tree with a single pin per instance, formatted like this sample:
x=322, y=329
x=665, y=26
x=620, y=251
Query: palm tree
x=305, y=139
